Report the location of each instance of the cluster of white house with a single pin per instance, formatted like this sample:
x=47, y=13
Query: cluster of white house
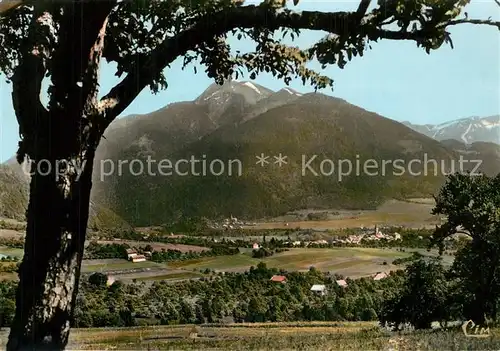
x=375, y=235
x=351, y=239
x=230, y=223
x=134, y=256
x=321, y=289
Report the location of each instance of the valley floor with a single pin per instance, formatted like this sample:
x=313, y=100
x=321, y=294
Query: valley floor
x=353, y=262
x=274, y=336
x=411, y=213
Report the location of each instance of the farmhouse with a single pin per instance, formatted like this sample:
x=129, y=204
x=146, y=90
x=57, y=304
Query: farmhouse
x=278, y=278
x=379, y=276
x=319, y=289
x=341, y=283
x=131, y=253
x=138, y=258
x=320, y=242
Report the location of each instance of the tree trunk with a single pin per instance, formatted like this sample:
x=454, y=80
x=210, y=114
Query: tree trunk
x=49, y=274
x=62, y=139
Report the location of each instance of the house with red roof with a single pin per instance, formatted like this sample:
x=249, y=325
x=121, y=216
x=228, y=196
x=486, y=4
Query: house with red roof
x=342, y=283
x=278, y=278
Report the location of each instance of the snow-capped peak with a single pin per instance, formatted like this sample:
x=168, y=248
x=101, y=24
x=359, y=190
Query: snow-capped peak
x=291, y=92
x=250, y=85
x=232, y=91
x=489, y=125
x=467, y=130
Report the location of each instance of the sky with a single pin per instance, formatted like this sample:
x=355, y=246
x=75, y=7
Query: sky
x=394, y=79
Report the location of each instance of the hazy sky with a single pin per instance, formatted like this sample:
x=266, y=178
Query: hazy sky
x=395, y=79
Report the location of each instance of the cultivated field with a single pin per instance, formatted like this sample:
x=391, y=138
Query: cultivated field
x=8, y=251
x=10, y=234
x=348, y=261
x=273, y=336
x=157, y=246
x=116, y=265
x=413, y=213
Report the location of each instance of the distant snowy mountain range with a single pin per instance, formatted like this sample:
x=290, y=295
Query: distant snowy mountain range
x=221, y=100
x=466, y=130
x=239, y=120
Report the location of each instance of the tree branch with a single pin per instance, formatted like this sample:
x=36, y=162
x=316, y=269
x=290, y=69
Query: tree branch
x=362, y=8
x=73, y=99
x=471, y=21
x=27, y=83
x=79, y=31
x=209, y=26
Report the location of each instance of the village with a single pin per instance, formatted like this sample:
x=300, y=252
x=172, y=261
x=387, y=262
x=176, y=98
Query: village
x=230, y=223
x=367, y=235
x=137, y=255
x=321, y=289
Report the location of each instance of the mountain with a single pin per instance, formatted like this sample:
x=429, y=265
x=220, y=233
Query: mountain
x=14, y=192
x=487, y=154
x=214, y=142
x=164, y=132
x=466, y=130
x=235, y=123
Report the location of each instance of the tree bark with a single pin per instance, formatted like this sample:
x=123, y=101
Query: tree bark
x=57, y=221
x=62, y=142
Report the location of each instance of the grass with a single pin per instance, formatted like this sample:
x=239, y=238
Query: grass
x=227, y=337
x=8, y=276
x=218, y=262
x=173, y=276
x=8, y=251
x=157, y=246
x=410, y=213
x=121, y=266
x=366, y=220
x=347, y=261
x=274, y=336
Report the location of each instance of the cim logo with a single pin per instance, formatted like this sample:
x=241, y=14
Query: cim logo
x=472, y=330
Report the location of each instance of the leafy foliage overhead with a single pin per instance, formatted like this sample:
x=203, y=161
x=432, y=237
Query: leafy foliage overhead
x=144, y=37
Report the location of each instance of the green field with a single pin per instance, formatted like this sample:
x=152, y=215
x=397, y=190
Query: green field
x=8, y=251
x=414, y=213
x=125, y=265
x=273, y=336
x=172, y=276
x=348, y=261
